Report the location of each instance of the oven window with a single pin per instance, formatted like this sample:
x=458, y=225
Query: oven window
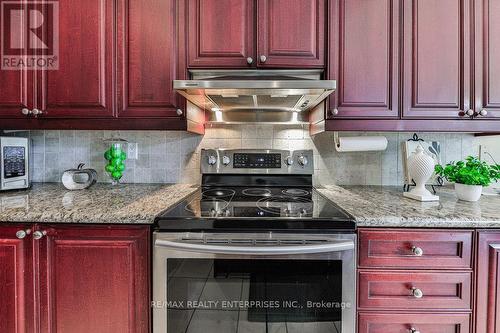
x=281, y=296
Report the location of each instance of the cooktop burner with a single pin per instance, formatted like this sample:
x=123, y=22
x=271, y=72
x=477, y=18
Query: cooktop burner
x=266, y=207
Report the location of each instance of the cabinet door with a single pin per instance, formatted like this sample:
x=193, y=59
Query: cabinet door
x=221, y=33
x=291, y=33
x=364, y=58
x=419, y=322
x=147, y=35
x=82, y=87
x=436, y=58
x=487, y=48
x=16, y=281
x=94, y=279
x=16, y=85
x=488, y=283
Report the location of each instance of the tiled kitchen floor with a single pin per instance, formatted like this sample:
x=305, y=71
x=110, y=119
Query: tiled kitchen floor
x=193, y=281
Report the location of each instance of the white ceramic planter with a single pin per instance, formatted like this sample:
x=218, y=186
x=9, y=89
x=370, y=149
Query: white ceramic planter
x=468, y=192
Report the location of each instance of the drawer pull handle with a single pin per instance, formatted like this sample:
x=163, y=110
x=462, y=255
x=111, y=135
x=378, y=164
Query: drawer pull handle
x=23, y=233
x=417, y=293
x=417, y=251
x=413, y=330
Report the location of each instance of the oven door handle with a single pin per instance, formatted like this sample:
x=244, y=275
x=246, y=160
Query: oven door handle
x=335, y=246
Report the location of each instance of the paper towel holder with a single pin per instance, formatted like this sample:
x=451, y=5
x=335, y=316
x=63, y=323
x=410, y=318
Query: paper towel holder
x=336, y=140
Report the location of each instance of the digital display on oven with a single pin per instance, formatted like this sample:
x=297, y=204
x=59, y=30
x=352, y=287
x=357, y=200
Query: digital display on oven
x=14, y=161
x=257, y=161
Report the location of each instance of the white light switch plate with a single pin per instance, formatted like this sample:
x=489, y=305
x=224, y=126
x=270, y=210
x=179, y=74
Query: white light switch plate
x=133, y=151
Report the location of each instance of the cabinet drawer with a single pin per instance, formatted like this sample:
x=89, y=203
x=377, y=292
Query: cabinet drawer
x=415, y=290
x=404, y=323
x=415, y=249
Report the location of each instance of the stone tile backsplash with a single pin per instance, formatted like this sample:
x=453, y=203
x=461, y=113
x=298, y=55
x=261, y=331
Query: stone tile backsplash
x=174, y=157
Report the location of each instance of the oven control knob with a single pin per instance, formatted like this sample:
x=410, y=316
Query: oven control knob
x=212, y=160
x=302, y=212
x=226, y=213
x=303, y=160
x=289, y=160
x=213, y=213
x=226, y=160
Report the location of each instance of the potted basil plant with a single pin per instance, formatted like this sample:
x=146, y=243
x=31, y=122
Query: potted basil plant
x=469, y=176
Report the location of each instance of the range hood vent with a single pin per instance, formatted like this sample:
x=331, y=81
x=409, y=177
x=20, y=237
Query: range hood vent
x=256, y=96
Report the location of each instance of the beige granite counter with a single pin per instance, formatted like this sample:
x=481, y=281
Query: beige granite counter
x=102, y=203
x=382, y=206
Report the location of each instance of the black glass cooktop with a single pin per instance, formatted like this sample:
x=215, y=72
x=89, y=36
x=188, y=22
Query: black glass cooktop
x=260, y=207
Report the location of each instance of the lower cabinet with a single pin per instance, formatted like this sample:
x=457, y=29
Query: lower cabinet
x=412, y=281
x=413, y=323
x=16, y=279
x=488, y=282
x=83, y=278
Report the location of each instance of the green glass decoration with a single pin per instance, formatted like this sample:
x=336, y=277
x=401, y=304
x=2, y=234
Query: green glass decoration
x=115, y=156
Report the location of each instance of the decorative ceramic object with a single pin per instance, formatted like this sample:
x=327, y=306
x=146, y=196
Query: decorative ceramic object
x=116, y=156
x=79, y=178
x=468, y=192
x=421, y=169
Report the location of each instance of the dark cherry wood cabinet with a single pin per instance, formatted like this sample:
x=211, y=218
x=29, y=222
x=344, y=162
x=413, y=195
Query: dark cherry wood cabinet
x=364, y=58
x=436, y=58
x=116, y=65
x=394, y=290
x=94, y=279
x=150, y=58
x=415, y=249
x=68, y=278
x=16, y=93
x=82, y=87
x=414, y=322
x=487, y=59
x=256, y=33
x=16, y=279
x=221, y=33
x=291, y=33
x=488, y=282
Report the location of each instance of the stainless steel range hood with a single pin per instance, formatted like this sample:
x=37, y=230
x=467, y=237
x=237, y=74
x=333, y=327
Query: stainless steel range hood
x=256, y=96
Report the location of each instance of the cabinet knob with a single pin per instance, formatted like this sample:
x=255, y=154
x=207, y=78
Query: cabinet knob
x=39, y=234
x=414, y=330
x=470, y=112
x=179, y=112
x=263, y=58
x=334, y=112
x=483, y=113
x=250, y=60
x=417, y=251
x=23, y=233
x=37, y=112
x=26, y=111
x=417, y=293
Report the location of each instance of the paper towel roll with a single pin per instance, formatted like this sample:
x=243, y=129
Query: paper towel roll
x=361, y=143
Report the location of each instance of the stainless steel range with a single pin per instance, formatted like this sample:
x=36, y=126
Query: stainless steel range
x=256, y=249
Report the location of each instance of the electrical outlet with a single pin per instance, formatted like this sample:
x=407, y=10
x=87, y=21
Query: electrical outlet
x=133, y=150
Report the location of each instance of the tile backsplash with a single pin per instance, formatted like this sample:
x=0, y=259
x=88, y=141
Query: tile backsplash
x=174, y=157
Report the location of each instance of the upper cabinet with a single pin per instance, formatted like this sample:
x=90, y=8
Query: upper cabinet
x=148, y=61
x=364, y=58
x=256, y=33
x=291, y=33
x=221, y=33
x=487, y=59
x=82, y=87
x=436, y=57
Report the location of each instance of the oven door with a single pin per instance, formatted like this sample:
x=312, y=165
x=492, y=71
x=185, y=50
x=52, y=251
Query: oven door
x=229, y=283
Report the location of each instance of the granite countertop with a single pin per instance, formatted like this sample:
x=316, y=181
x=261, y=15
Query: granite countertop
x=102, y=203
x=383, y=206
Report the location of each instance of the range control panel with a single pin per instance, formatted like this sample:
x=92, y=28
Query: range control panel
x=252, y=160
x=255, y=161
